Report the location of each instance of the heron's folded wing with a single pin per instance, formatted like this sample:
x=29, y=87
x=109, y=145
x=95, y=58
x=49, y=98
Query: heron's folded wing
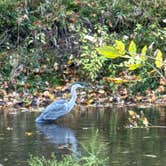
x=54, y=111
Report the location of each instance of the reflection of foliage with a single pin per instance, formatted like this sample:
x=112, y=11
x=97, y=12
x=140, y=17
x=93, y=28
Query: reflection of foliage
x=42, y=161
x=94, y=148
x=137, y=120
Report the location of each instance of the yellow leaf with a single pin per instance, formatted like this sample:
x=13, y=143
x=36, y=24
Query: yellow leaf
x=120, y=47
x=134, y=66
x=89, y=102
x=144, y=49
x=69, y=62
x=132, y=48
x=159, y=59
x=108, y=52
x=117, y=80
x=131, y=113
x=143, y=52
x=58, y=87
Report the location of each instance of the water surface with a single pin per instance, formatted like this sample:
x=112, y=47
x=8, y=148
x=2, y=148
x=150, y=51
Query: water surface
x=20, y=136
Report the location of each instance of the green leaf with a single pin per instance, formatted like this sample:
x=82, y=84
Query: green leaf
x=132, y=48
x=134, y=63
x=108, y=52
x=159, y=59
x=120, y=47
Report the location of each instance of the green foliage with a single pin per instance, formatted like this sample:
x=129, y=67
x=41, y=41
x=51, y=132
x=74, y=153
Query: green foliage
x=135, y=62
x=109, y=52
x=28, y=29
x=91, y=62
x=42, y=161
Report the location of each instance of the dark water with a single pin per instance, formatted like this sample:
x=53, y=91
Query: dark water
x=20, y=136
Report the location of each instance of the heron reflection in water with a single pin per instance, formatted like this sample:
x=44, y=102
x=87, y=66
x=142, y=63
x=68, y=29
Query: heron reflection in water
x=59, y=107
x=59, y=135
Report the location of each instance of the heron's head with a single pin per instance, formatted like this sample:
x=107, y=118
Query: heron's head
x=78, y=85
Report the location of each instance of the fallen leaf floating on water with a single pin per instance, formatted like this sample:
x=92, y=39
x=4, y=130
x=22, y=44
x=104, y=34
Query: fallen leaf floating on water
x=150, y=155
x=28, y=133
x=9, y=128
x=85, y=128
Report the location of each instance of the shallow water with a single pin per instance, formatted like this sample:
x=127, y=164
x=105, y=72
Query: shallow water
x=20, y=136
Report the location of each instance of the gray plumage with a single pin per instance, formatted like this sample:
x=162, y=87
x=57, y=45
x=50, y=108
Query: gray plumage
x=59, y=107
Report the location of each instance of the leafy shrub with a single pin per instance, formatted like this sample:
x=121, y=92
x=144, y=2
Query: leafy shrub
x=137, y=64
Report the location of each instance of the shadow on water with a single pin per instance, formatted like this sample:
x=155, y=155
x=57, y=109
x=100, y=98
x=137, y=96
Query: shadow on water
x=20, y=136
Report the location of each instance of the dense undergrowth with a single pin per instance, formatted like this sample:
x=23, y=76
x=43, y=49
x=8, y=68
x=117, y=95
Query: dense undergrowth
x=45, y=43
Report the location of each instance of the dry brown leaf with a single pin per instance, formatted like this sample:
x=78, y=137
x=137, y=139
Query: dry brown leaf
x=89, y=102
x=52, y=97
x=101, y=91
x=161, y=88
x=46, y=93
x=162, y=81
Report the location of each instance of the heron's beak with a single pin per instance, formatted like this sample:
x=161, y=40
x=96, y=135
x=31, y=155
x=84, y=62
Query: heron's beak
x=84, y=85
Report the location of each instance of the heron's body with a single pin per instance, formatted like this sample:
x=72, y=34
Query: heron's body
x=59, y=107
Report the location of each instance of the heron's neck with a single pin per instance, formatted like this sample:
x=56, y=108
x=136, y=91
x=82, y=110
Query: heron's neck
x=73, y=97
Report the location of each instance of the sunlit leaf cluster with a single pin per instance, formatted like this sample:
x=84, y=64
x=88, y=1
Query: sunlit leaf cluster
x=133, y=59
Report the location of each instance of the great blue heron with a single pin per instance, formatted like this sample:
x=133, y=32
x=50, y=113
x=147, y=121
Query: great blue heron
x=59, y=107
